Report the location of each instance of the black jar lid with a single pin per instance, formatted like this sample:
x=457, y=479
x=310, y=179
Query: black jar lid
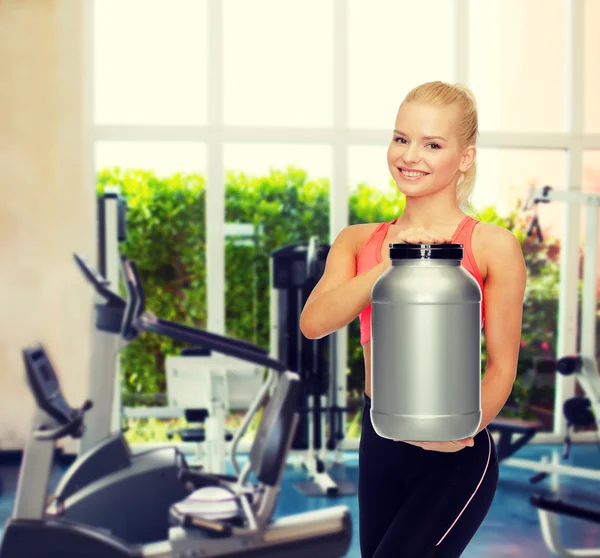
x=401, y=251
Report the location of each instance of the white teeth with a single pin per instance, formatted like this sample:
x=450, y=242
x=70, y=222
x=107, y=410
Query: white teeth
x=413, y=173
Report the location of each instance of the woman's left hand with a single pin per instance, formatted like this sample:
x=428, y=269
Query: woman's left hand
x=445, y=447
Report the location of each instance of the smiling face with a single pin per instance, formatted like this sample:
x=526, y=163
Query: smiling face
x=425, y=155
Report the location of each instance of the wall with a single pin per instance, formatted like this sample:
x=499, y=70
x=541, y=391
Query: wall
x=47, y=208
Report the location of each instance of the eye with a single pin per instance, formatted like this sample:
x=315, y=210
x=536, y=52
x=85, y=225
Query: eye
x=400, y=140
x=435, y=145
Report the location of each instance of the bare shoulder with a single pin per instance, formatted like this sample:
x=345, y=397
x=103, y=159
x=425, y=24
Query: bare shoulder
x=341, y=260
x=495, y=236
x=497, y=247
x=356, y=235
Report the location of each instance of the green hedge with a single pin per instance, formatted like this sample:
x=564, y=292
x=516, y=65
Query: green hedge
x=167, y=239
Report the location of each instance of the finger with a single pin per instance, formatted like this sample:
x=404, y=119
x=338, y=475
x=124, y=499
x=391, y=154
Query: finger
x=433, y=237
x=433, y=241
x=421, y=239
x=426, y=238
x=436, y=240
x=437, y=237
x=410, y=235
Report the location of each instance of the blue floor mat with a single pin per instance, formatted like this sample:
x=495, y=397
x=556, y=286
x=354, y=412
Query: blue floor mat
x=510, y=530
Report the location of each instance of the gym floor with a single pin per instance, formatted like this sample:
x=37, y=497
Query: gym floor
x=511, y=529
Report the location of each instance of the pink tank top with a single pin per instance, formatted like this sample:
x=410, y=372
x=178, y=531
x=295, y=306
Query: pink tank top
x=370, y=255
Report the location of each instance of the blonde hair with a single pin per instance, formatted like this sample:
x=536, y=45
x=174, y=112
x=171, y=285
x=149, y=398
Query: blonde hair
x=467, y=128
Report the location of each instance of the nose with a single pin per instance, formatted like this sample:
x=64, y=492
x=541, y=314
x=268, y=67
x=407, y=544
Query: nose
x=411, y=154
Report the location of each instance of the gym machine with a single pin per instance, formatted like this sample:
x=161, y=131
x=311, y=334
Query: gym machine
x=224, y=516
x=107, y=484
x=110, y=470
x=581, y=410
x=295, y=270
x=201, y=387
x=104, y=380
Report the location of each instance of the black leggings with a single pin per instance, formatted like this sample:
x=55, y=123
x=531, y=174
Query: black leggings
x=416, y=503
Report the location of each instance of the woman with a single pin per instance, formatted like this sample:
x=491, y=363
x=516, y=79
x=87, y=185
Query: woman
x=427, y=499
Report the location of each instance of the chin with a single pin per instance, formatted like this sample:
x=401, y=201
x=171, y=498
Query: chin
x=412, y=189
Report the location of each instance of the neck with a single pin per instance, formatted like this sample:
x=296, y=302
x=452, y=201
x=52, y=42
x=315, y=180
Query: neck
x=425, y=212
x=437, y=208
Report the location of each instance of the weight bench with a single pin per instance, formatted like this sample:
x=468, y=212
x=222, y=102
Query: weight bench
x=506, y=427
x=196, y=434
x=549, y=508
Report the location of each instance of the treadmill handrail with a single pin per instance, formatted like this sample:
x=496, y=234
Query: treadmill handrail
x=556, y=505
x=218, y=343
x=134, y=309
x=128, y=328
x=135, y=301
x=136, y=290
x=99, y=282
x=139, y=290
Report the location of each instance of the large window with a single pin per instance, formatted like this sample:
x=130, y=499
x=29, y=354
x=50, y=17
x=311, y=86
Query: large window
x=278, y=63
x=505, y=175
x=517, y=67
x=591, y=171
x=150, y=62
x=263, y=217
x=163, y=158
x=239, y=91
x=591, y=67
x=393, y=46
x=367, y=164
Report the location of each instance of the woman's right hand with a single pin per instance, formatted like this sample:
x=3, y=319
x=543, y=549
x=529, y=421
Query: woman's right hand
x=445, y=447
x=421, y=236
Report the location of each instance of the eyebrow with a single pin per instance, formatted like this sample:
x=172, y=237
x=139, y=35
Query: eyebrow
x=424, y=137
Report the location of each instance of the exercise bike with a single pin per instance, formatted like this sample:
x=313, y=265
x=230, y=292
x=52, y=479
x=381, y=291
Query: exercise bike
x=224, y=516
x=108, y=484
x=578, y=411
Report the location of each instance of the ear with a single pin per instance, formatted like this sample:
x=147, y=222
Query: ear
x=468, y=158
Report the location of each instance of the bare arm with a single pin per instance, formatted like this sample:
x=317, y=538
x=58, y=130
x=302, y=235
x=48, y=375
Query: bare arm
x=340, y=295
x=504, y=294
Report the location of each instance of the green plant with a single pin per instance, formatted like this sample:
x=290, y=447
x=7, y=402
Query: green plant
x=167, y=239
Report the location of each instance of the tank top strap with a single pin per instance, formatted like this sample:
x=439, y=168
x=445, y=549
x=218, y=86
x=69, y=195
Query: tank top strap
x=469, y=225
x=464, y=235
x=384, y=227
x=380, y=230
x=464, y=228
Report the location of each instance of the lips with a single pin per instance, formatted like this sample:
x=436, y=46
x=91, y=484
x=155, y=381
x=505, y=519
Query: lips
x=412, y=173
